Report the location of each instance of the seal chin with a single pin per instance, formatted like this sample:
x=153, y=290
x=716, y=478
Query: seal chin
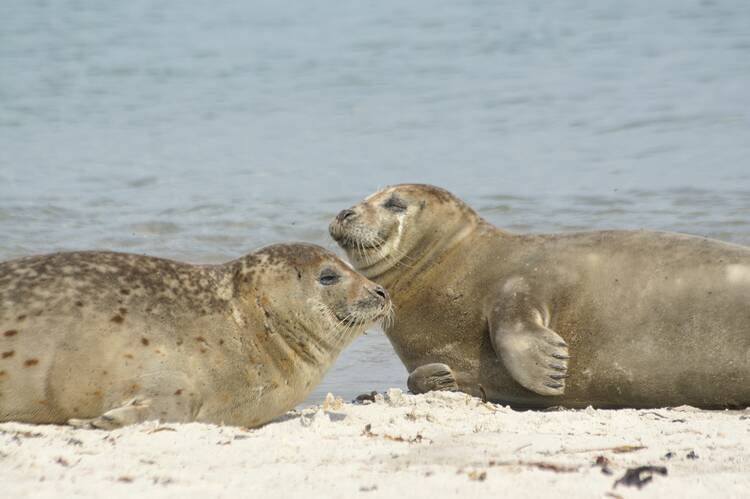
x=354, y=237
x=366, y=313
x=362, y=319
x=354, y=244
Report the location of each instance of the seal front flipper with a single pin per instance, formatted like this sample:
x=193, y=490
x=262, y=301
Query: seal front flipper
x=534, y=355
x=432, y=377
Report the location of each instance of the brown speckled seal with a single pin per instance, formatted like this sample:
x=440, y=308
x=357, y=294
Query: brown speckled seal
x=610, y=319
x=105, y=339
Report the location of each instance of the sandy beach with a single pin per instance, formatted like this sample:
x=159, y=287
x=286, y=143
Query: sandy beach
x=434, y=445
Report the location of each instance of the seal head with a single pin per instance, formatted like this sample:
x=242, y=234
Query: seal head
x=339, y=303
x=399, y=225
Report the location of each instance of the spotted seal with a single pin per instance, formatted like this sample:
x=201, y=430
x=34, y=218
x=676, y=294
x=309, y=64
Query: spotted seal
x=106, y=339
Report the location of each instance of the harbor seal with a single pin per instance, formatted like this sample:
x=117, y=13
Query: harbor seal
x=106, y=339
x=609, y=319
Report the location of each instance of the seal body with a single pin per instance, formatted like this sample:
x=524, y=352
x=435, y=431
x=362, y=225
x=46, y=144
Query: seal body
x=610, y=319
x=105, y=339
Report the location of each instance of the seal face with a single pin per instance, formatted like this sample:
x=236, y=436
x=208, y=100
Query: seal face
x=611, y=319
x=106, y=339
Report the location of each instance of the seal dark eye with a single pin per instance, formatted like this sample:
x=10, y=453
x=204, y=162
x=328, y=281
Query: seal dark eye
x=328, y=277
x=395, y=204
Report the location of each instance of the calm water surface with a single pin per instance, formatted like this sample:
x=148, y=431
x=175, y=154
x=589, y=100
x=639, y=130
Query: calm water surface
x=202, y=130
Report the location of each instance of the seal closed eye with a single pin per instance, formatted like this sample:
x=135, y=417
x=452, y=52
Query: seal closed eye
x=395, y=204
x=329, y=277
x=105, y=339
x=611, y=319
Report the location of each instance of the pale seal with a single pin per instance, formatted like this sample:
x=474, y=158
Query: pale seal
x=610, y=319
x=106, y=339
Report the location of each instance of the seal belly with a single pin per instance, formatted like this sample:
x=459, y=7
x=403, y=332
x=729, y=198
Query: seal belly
x=25, y=365
x=658, y=332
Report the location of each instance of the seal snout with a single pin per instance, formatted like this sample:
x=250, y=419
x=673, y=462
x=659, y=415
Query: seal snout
x=344, y=214
x=337, y=228
x=384, y=303
x=340, y=227
x=375, y=297
x=374, y=304
x=381, y=292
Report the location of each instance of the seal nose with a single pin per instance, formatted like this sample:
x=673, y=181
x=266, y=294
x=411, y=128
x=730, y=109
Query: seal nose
x=381, y=292
x=344, y=214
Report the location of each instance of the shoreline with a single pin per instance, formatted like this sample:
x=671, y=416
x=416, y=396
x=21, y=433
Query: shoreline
x=434, y=445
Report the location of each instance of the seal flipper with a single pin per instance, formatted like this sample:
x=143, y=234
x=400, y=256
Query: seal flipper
x=432, y=377
x=534, y=355
x=132, y=412
x=138, y=410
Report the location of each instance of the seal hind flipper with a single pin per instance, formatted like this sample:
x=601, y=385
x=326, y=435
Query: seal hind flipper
x=134, y=411
x=534, y=355
x=139, y=410
x=432, y=377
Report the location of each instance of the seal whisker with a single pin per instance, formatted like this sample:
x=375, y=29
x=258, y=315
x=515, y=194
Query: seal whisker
x=342, y=328
x=363, y=254
x=390, y=316
x=344, y=332
x=337, y=323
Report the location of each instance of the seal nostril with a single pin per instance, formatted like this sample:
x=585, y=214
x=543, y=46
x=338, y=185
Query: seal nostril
x=381, y=292
x=344, y=214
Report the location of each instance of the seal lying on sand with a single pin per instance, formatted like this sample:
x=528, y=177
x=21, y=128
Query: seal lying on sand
x=108, y=339
x=611, y=319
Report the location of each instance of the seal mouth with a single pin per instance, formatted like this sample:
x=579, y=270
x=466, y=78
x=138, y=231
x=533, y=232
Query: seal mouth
x=355, y=237
x=357, y=319
x=350, y=243
x=366, y=312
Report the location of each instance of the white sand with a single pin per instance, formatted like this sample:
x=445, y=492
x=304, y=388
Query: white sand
x=435, y=445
